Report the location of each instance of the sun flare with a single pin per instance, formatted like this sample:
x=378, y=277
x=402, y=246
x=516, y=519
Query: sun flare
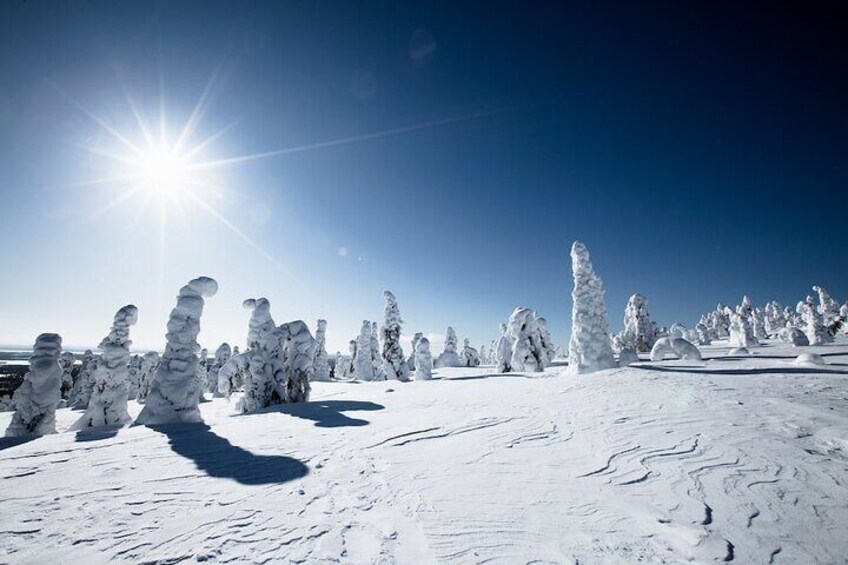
x=166, y=172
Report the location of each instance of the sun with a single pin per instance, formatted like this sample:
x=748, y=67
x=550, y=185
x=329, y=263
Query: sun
x=165, y=171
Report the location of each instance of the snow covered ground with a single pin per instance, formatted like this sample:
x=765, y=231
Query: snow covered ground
x=731, y=459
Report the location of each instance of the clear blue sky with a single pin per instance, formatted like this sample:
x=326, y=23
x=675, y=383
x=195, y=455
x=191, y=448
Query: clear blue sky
x=700, y=152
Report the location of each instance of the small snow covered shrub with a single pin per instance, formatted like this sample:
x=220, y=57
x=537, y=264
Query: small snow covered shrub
x=423, y=360
x=449, y=357
x=108, y=403
x=394, y=363
x=321, y=363
x=676, y=346
x=173, y=396
x=589, y=349
x=469, y=355
x=35, y=401
x=810, y=359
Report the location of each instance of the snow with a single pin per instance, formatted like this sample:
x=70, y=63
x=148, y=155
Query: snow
x=812, y=358
x=677, y=346
x=589, y=348
x=657, y=462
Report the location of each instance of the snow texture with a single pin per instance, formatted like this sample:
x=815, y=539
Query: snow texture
x=394, y=362
x=108, y=403
x=321, y=363
x=449, y=357
x=589, y=349
x=423, y=360
x=36, y=399
x=173, y=396
x=676, y=346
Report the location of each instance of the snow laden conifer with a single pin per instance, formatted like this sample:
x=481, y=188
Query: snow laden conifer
x=589, y=349
x=67, y=361
x=81, y=391
x=36, y=399
x=503, y=351
x=527, y=354
x=449, y=357
x=173, y=396
x=775, y=319
x=321, y=363
x=363, y=368
x=376, y=357
x=758, y=323
x=108, y=403
x=640, y=332
x=394, y=363
x=423, y=360
x=469, y=356
x=253, y=370
x=828, y=307
x=741, y=332
x=222, y=355
x=133, y=376
x=546, y=342
x=411, y=360
x=149, y=364
x=813, y=321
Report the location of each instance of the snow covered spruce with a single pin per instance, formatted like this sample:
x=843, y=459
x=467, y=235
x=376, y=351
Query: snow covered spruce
x=640, y=332
x=394, y=364
x=321, y=363
x=423, y=360
x=449, y=357
x=589, y=349
x=222, y=355
x=35, y=401
x=108, y=403
x=173, y=396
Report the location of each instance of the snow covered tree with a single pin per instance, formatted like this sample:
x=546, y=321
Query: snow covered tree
x=173, y=396
x=423, y=360
x=394, y=363
x=546, y=343
x=758, y=323
x=677, y=346
x=108, y=403
x=222, y=355
x=321, y=363
x=411, y=361
x=484, y=355
x=677, y=330
x=741, y=332
x=344, y=370
x=133, y=376
x=81, y=391
x=363, y=368
x=828, y=307
x=67, y=361
x=503, y=351
x=298, y=348
x=775, y=320
x=149, y=364
x=202, y=375
x=523, y=335
x=589, y=349
x=721, y=322
x=376, y=357
x=813, y=321
x=469, y=355
x=36, y=399
x=640, y=332
x=703, y=334
x=449, y=357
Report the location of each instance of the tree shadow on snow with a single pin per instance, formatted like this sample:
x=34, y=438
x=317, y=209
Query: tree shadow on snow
x=327, y=413
x=96, y=434
x=752, y=371
x=486, y=376
x=218, y=458
x=7, y=442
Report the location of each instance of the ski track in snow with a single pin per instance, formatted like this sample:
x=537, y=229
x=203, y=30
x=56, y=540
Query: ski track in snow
x=660, y=462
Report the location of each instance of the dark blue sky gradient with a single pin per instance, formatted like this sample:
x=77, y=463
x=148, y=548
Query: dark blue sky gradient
x=698, y=150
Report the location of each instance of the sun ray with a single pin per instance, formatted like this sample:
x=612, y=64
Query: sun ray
x=120, y=199
x=345, y=140
x=139, y=119
x=198, y=111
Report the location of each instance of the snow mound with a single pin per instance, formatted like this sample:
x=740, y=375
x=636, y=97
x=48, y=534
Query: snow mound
x=810, y=359
x=676, y=346
x=738, y=352
x=626, y=357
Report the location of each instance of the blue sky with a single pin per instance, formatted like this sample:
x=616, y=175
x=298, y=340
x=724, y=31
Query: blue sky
x=698, y=151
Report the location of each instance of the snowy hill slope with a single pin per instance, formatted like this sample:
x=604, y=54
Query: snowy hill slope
x=731, y=459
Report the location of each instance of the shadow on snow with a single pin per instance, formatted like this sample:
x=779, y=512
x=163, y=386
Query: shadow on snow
x=749, y=371
x=217, y=457
x=326, y=413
